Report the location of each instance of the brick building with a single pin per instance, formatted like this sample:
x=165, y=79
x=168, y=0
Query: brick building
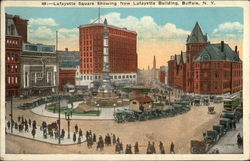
x=162, y=74
x=122, y=54
x=68, y=60
x=13, y=48
x=205, y=68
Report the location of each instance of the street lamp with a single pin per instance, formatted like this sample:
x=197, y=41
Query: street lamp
x=67, y=117
x=11, y=113
x=114, y=105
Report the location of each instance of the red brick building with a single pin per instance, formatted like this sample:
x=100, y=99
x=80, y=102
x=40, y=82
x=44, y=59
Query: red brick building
x=206, y=68
x=66, y=76
x=122, y=53
x=162, y=74
x=16, y=33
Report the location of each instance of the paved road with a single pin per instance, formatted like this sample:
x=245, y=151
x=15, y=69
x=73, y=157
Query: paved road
x=39, y=137
x=228, y=143
x=106, y=113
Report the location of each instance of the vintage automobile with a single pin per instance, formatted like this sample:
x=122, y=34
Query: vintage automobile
x=212, y=136
x=226, y=123
x=220, y=129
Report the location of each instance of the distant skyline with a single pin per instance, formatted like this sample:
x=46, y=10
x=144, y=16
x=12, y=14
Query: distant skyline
x=161, y=31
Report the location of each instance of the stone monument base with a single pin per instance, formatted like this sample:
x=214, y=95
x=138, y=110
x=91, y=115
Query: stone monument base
x=105, y=100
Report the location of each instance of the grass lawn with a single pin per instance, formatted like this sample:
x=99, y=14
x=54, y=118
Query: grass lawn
x=54, y=108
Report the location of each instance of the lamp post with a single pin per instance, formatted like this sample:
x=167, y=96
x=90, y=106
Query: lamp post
x=11, y=113
x=67, y=117
x=59, y=121
x=114, y=105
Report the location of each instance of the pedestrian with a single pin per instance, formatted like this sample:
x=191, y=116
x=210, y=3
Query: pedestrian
x=121, y=146
x=16, y=126
x=153, y=148
x=162, y=150
x=114, y=139
x=87, y=134
x=117, y=148
x=18, y=118
x=172, y=148
x=117, y=140
x=76, y=128
x=26, y=128
x=80, y=132
x=79, y=140
x=8, y=124
x=127, y=149
x=33, y=132
x=149, y=148
x=63, y=133
x=74, y=137
x=94, y=138
x=29, y=122
x=234, y=124
x=136, y=148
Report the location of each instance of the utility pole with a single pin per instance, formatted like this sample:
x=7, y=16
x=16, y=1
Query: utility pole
x=11, y=113
x=59, y=121
x=57, y=90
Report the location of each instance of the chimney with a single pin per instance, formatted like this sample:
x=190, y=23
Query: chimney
x=66, y=49
x=236, y=49
x=222, y=46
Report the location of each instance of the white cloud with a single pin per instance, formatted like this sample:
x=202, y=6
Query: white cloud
x=42, y=33
x=42, y=22
x=228, y=31
x=229, y=27
x=146, y=27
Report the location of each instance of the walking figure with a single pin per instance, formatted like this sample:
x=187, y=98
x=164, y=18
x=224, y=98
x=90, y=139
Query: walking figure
x=136, y=148
x=172, y=148
x=161, y=148
x=74, y=137
x=76, y=128
x=149, y=148
x=80, y=132
x=33, y=132
x=8, y=124
x=114, y=139
x=94, y=138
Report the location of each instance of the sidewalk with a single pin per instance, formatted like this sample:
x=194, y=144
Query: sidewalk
x=39, y=137
x=106, y=113
x=228, y=143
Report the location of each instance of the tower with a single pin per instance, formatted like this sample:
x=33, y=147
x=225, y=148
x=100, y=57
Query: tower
x=154, y=69
x=105, y=85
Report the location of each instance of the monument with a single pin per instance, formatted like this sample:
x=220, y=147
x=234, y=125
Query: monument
x=105, y=96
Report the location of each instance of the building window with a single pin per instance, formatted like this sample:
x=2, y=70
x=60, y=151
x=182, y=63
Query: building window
x=133, y=76
x=115, y=77
x=119, y=77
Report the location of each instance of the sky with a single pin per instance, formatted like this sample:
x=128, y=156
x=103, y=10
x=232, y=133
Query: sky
x=161, y=31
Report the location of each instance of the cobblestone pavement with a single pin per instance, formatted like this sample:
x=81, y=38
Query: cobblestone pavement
x=39, y=137
x=228, y=143
x=106, y=113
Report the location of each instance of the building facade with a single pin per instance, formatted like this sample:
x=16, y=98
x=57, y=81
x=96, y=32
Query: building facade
x=13, y=49
x=68, y=62
x=205, y=68
x=122, y=54
x=38, y=69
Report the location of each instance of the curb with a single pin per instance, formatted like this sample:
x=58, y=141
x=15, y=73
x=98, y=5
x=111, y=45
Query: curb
x=43, y=141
